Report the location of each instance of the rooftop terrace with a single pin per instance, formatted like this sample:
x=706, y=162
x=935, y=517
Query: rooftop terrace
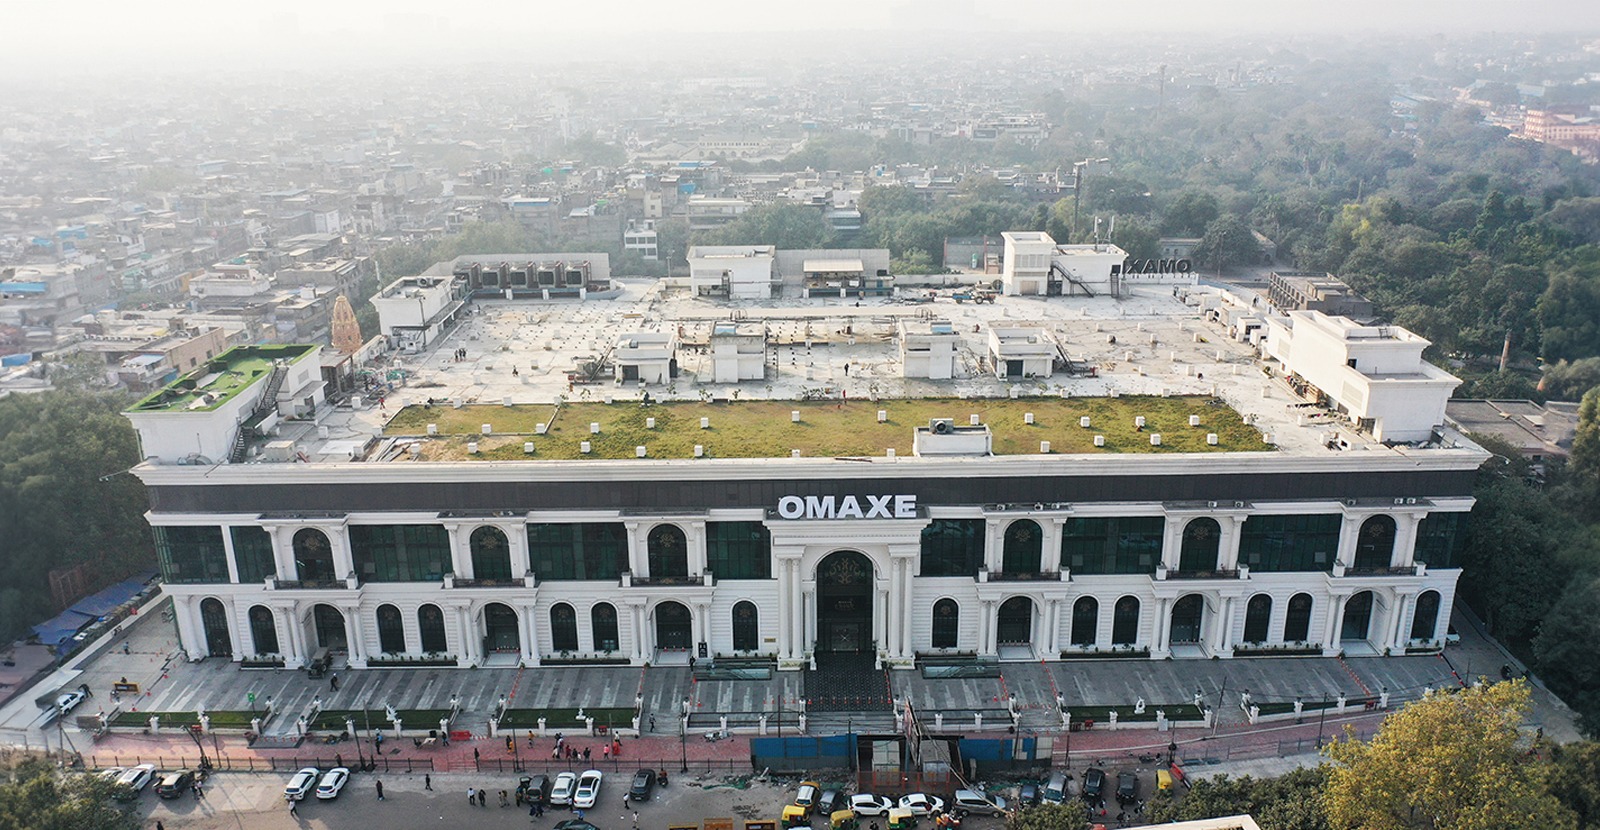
x=220, y=379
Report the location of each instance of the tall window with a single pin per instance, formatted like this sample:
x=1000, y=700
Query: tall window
x=1442, y=539
x=391, y=630
x=1425, y=620
x=946, y=623
x=1201, y=540
x=313, y=556
x=400, y=553
x=578, y=551
x=563, y=628
x=1125, y=622
x=1023, y=544
x=263, y=630
x=491, y=554
x=252, y=553
x=1085, y=621
x=669, y=552
x=1375, y=543
x=1112, y=544
x=952, y=547
x=739, y=550
x=430, y=624
x=603, y=621
x=1275, y=544
x=192, y=555
x=746, y=628
x=1257, y=615
x=1297, y=624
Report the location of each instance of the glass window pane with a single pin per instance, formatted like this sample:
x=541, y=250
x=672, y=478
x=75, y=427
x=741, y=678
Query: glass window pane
x=191, y=555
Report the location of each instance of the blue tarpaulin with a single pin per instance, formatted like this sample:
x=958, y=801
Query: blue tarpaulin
x=58, y=633
x=61, y=629
x=22, y=359
x=106, y=601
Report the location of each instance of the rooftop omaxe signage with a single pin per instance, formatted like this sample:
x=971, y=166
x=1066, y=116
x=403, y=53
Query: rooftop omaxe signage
x=848, y=507
x=1153, y=266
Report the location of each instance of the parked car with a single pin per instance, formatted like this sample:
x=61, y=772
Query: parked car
x=644, y=781
x=1127, y=788
x=537, y=790
x=972, y=802
x=830, y=801
x=1028, y=795
x=807, y=795
x=110, y=774
x=921, y=804
x=575, y=824
x=301, y=783
x=867, y=804
x=561, y=791
x=1094, y=785
x=175, y=783
x=132, y=781
x=1055, y=790
x=332, y=782
x=588, y=790
x=70, y=700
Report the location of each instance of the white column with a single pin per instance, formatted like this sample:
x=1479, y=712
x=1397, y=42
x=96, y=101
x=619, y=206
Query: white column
x=1163, y=644
x=193, y=642
x=891, y=642
x=517, y=542
x=464, y=635
x=460, y=550
x=1331, y=643
x=1172, y=541
x=638, y=550
x=1050, y=555
x=808, y=613
x=880, y=615
x=785, y=621
x=1349, y=533
x=284, y=622
x=636, y=632
x=339, y=540
x=702, y=624
x=797, y=624
x=236, y=635
x=1053, y=637
x=1228, y=545
x=527, y=622
x=1399, y=633
x=1405, y=539
x=1225, y=627
x=356, y=632
x=227, y=555
x=696, y=543
x=907, y=606
x=283, y=552
x=994, y=545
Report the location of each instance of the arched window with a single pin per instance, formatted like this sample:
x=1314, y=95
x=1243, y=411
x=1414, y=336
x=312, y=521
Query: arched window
x=263, y=630
x=1357, y=617
x=669, y=553
x=1375, y=544
x=946, y=623
x=1085, y=621
x=1023, y=544
x=1257, y=614
x=746, y=628
x=215, y=621
x=329, y=622
x=1200, y=540
x=563, y=628
x=1425, y=621
x=491, y=554
x=1297, y=624
x=313, y=556
x=391, y=630
x=1125, y=622
x=430, y=624
x=603, y=619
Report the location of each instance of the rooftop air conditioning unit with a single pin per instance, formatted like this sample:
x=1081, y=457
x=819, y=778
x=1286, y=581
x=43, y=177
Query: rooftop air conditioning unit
x=942, y=426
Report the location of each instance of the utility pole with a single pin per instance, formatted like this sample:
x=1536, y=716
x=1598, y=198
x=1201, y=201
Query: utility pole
x=1217, y=719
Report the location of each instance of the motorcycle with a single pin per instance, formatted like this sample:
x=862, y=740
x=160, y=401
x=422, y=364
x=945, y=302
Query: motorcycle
x=661, y=776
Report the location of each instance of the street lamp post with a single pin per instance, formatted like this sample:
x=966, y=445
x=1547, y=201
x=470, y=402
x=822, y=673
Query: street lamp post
x=1321, y=719
x=683, y=737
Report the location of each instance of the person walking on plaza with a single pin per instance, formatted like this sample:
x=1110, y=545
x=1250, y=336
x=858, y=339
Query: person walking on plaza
x=427, y=781
x=472, y=796
x=333, y=680
x=379, y=785
x=292, y=808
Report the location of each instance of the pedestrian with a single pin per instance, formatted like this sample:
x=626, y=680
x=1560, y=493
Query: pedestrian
x=483, y=798
x=293, y=808
x=472, y=795
x=334, y=682
x=503, y=801
x=474, y=755
x=586, y=752
x=379, y=785
x=159, y=826
x=635, y=818
x=533, y=809
x=125, y=649
x=652, y=722
x=605, y=751
x=555, y=753
x=427, y=781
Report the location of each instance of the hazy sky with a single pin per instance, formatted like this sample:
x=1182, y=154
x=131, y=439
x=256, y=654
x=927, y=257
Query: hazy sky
x=153, y=32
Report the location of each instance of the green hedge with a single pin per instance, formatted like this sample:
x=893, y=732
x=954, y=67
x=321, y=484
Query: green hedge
x=379, y=719
x=565, y=719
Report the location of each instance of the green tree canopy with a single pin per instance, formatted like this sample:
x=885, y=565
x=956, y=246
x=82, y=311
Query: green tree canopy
x=788, y=226
x=1292, y=801
x=1227, y=242
x=1049, y=817
x=40, y=798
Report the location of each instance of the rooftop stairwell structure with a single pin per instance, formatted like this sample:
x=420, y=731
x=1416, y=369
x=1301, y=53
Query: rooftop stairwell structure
x=265, y=407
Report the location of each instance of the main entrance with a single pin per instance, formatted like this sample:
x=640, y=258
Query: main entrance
x=844, y=603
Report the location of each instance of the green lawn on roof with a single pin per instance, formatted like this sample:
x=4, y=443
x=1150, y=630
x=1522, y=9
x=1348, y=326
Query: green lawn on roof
x=763, y=429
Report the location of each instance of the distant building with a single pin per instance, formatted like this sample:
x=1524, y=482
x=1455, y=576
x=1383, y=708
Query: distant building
x=1296, y=291
x=1035, y=264
x=1539, y=432
x=641, y=238
x=737, y=272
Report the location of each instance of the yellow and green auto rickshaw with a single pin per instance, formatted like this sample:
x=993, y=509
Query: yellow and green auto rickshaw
x=902, y=819
x=843, y=820
x=796, y=816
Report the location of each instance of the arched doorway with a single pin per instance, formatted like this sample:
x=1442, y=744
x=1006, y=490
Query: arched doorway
x=1257, y=616
x=674, y=627
x=844, y=603
x=1186, y=617
x=329, y=622
x=746, y=626
x=1375, y=544
x=1023, y=545
x=1125, y=622
x=215, y=620
x=491, y=554
x=391, y=630
x=946, y=623
x=263, y=630
x=1357, y=617
x=313, y=556
x=563, y=628
x=500, y=626
x=1015, y=627
x=1297, y=623
x=603, y=627
x=1425, y=620
x=1085, y=621
x=1200, y=540
x=430, y=628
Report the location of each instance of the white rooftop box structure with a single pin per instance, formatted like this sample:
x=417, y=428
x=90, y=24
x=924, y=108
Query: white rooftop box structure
x=651, y=357
x=1373, y=374
x=738, y=272
x=1019, y=352
x=414, y=311
x=928, y=349
x=738, y=351
x=1035, y=264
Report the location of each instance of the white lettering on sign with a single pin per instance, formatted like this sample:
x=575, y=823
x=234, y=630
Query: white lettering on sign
x=847, y=507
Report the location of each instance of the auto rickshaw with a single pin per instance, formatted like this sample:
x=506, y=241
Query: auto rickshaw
x=1163, y=780
x=843, y=820
x=796, y=816
x=902, y=819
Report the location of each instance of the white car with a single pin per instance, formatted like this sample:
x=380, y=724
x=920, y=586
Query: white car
x=69, y=701
x=111, y=774
x=332, y=782
x=922, y=804
x=561, y=791
x=588, y=789
x=303, y=782
x=867, y=804
x=135, y=779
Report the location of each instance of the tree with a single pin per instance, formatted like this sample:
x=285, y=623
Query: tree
x=1567, y=650
x=1585, y=458
x=788, y=226
x=1292, y=801
x=1190, y=214
x=1566, y=381
x=1049, y=817
x=1451, y=761
x=1227, y=242
x=1569, y=314
x=39, y=798
x=1575, y=780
